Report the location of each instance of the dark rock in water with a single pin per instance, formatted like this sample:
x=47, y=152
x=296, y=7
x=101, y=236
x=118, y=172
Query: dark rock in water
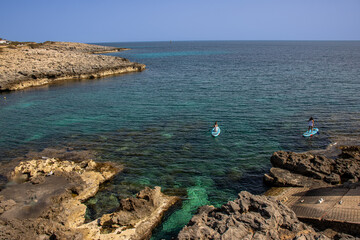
x=300, y=169
x=248, y=217
x=131, y=210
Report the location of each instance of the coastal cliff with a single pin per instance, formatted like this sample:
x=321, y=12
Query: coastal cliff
x=35, y=64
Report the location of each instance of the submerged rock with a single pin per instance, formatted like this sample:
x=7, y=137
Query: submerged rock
x=135, y=218
x=248, y=217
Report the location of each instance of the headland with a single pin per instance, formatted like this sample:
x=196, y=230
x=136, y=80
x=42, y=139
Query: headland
x=24, y=65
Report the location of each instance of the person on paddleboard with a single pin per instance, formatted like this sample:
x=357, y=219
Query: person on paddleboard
x=311, y=124
x=216, y=127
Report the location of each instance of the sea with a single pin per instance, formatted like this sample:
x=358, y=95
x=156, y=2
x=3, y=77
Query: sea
x=157, y=123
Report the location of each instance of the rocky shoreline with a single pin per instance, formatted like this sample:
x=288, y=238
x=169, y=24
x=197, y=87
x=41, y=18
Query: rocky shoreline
x=311, y=170
x=248, y=217
x=320, y=191
x=43, y=199
x=35, y=64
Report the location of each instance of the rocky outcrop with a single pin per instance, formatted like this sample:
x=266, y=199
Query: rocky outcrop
x=247, y=217
x=39, y=64
x=135, y=217
x=308, y=170
x=281, y=177
x=44, y=199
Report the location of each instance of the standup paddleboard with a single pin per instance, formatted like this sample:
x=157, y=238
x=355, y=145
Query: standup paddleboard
x=215, y=133
x=311, y=133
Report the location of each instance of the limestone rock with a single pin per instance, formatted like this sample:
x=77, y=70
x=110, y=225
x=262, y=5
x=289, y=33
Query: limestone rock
x=279, y=177
x=247, y=217
x=303, y=163
x=50, y=208
x=135, y=217
x=39, y=64
x=308, y=169
x=46, y=203
x=333, y=178
x=6, y=205
x=350, y=152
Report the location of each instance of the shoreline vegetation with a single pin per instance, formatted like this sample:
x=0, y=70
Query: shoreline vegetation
x=28, y=64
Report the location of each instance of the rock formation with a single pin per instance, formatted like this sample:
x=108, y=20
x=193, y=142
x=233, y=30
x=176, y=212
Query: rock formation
x=39, y=64
x=44, y=201
x=308, y=170
x=247, y=217
x=135, y=217
x=320, y=190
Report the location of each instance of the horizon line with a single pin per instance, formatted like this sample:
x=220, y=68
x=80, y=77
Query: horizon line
x=273, y=40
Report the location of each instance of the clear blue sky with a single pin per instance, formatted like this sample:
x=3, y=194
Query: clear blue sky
x=163, y=20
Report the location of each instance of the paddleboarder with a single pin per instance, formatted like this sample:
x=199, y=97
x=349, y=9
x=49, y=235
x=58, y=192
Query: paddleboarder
x=216, y=127
x=311, y=124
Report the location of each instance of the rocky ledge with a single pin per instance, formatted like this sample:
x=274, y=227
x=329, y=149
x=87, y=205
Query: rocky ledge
x=34, y=64
x=308, y=187
x=309, y=170
x=44, y=200
x=322, y=191
x=248, y=217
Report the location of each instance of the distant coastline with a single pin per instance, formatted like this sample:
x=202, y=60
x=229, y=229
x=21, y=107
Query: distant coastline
x=26, y=65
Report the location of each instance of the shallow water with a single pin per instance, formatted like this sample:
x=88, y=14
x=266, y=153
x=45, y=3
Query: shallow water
x=157, y=123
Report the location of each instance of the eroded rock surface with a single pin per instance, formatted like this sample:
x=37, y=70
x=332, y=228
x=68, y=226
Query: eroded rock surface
x=309, y=170
x=44, y=199
x=248, y=217
x=135, y=218
x=39, y=64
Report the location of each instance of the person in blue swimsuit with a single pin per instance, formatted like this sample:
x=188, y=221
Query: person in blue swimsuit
x=311, y=124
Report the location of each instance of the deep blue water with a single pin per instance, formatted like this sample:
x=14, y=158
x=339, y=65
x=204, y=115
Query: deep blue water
x=157, y=123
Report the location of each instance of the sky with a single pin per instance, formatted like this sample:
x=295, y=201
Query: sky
x=92, y=21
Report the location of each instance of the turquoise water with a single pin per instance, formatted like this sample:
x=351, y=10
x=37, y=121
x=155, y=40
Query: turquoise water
x=157, y=123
